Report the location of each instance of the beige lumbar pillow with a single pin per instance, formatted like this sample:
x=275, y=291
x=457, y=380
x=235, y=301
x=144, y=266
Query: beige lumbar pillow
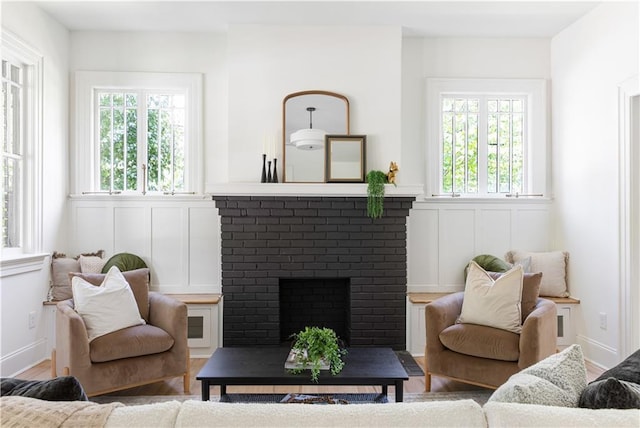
x=108, y=307
x=493, y=303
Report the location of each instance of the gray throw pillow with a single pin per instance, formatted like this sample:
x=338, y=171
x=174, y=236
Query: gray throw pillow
x=610, y=393
x=63, y=388
x=617, y=388
x=628, y=370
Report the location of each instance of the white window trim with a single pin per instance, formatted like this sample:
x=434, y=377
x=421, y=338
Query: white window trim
x=32, y=235
x=537, y=167
x=85, y=156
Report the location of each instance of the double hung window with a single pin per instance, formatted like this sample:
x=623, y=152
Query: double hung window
x=21, y=148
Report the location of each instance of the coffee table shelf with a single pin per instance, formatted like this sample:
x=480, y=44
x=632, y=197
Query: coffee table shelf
x=265, y=366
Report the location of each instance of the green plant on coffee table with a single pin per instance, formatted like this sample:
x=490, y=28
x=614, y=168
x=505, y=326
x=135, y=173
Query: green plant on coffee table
x=314, y=346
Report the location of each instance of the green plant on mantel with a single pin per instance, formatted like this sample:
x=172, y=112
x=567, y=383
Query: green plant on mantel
x=375, y=193
x=315, y=347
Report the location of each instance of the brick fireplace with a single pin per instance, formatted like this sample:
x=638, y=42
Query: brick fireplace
x=338, y=267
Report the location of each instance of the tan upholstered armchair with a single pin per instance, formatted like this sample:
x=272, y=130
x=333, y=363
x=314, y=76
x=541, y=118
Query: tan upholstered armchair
x=481, y=355
x=128, y=357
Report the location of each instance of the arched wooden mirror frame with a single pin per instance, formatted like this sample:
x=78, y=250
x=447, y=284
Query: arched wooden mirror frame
x=311, y=163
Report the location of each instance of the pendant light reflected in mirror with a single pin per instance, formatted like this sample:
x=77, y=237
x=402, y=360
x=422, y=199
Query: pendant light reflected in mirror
x=309, y=139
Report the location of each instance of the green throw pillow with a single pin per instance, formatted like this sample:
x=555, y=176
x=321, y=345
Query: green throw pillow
x=124, y=262
x=489, y=263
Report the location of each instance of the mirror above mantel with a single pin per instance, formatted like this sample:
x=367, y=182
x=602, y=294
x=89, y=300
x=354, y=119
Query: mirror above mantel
x=308, y=116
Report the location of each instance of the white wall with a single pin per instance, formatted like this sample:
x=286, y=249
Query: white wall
x=589, y=60
x=268, y=62
x=24, y=293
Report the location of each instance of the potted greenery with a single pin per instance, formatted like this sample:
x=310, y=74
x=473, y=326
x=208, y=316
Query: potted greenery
x=316, y=348
x=375, y=193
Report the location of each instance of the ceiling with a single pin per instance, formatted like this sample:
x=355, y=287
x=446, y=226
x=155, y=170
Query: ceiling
x=417, y=18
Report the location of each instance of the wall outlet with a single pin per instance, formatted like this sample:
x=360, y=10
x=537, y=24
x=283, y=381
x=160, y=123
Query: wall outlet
x=32, y=319
x=603, y=321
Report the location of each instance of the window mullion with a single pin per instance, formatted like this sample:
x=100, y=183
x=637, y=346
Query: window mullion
x=483, y=152
x=142, y=141
x=172, y=145
x=111, y=149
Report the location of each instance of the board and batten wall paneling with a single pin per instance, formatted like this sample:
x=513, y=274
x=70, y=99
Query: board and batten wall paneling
x=168, y=245
x=93, y=229
x=422, y=246
x=178, y=238
x=494, y=231
x=443, y=236
x=204, y=241
x=531, y=229
x=457, y=243
x=128, y=222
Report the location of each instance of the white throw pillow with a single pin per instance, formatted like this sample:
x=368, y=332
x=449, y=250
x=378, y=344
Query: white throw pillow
x=553, y=266
x=91, y=264
x=108, y=307
x=558, y=380
x=493, y=303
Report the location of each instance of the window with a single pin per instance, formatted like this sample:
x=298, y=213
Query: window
x=134, y=157
x=487, y=138
x=21, y=144
x=144, y=129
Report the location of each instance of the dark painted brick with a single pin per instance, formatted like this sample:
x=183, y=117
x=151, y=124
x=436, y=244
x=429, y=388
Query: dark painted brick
x=244, y=220
x=319, y=237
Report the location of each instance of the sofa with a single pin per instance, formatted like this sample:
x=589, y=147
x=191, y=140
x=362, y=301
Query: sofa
x=29, y=412
x=547, y=393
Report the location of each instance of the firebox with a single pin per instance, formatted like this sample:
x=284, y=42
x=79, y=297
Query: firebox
x=314, y=302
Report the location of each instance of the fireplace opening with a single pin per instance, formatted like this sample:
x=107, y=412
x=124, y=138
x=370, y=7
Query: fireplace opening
x=320, y=302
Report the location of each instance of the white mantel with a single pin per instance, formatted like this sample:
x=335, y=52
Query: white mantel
x=309, y=189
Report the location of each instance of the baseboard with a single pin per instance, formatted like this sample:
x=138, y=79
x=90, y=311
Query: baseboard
x=597, y=353
x=24, y=358
x=199, y=354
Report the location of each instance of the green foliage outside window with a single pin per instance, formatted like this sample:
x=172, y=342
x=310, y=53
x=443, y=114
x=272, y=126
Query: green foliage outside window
x=503, y=145
x=125, y=146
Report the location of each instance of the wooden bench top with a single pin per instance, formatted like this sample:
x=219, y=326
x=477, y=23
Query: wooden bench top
x=430, y=297
x=200, y=299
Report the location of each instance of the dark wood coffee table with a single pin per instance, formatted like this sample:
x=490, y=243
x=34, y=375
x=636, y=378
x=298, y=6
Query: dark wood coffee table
x=265, y=366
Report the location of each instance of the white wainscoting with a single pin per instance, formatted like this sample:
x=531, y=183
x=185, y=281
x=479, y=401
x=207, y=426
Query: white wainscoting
x=443, y=236
x=177, y=236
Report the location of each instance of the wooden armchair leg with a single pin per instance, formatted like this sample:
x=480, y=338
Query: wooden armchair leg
x=187, y=375
x=427, y=375
x=187, y=383
x=53, y=363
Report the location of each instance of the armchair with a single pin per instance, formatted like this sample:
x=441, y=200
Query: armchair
x=481, y=355
x=128, y=357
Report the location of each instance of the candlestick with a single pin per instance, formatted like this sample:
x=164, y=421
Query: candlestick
x=263, y=178
x=274, y=178
x=268, y=171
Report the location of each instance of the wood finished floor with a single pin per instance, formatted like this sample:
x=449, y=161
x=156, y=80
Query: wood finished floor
x=415, y=384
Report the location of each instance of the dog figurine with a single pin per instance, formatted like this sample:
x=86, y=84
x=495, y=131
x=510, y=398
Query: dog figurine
x=391, y=175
